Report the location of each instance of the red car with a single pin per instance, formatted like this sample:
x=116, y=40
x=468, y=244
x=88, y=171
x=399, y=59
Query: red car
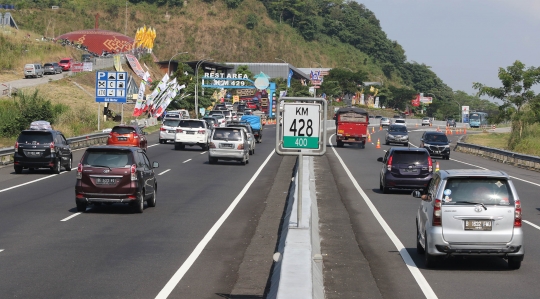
x=252, y=105
x=66, y=63
x=128, y=135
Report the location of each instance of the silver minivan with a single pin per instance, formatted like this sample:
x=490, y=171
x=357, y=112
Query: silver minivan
x=472, y=213
x=33, y=70
x=229, y=144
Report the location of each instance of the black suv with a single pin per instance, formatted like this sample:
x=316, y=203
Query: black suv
x=115, y=174
x=405, y=168
x=436, y=143
x=42, y=149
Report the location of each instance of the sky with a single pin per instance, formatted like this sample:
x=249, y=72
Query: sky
x=463, y=41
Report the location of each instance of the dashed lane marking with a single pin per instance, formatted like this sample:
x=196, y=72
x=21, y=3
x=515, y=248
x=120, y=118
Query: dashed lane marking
x=67, y=218
x=164, y=172
x=187, y=161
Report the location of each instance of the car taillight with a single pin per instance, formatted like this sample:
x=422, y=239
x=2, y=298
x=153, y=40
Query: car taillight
x=517, y=214
x=110, y=135
x=16, y=146
x=51, y=146
x=430, y=164
x=79, y=171
x=437, y=213
x=135, y=135
x=179, y=130
x=133, y=172
x=162, y=129
x=389, y=165
x=201, y=131
x=240, y=146
x=212, y=145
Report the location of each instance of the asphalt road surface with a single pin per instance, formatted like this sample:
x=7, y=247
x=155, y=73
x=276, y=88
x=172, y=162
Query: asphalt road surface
x=179, y=249
x=27, y=82
x=455, y=278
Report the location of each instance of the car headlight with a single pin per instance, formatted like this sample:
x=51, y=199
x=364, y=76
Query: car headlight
x=391, y=136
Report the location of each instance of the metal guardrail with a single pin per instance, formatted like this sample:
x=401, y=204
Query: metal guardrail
x=6, y=154
x=503, y=156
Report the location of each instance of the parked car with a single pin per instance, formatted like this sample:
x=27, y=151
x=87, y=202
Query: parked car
x=241, y=107
x=52, y=68
x=451, y=122
x=168, y=129
x=33, y=70
x=249, y=132
x=86, y=57
x=385, y=122
x=115, y=174
x=397, y=134
x=470, y=213
x=426, y=121
x=192, y=132
x=229, y=144
x=405, y=168
x=252, y=105
x=436, y=143
x=66, y=63
x=42, y=148
x=128, y=135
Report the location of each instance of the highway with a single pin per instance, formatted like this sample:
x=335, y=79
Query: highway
x=48, y=250
x=387, y=249
x=192, y=244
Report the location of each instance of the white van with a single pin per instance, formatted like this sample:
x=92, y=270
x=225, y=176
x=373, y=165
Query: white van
x=33, y=70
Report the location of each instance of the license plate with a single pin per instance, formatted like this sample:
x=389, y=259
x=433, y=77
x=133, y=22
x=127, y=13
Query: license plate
x=122, y=138
x=478, y=224
x=105, y=181
x=172, y=131
x=226, y=145
x=410, y=170
x=34, y=153
x=190, y=132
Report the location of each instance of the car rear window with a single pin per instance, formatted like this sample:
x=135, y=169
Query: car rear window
x=435, y=138
x=410, y=157
x=400, y=121
x=228, y=134
x=47, y=64
x=401, y=129
x=113, y=159
x=493, y=191
x=35, y=138
x=191, y=124
x=171, y=123
x=64, y=61
x=123, y=130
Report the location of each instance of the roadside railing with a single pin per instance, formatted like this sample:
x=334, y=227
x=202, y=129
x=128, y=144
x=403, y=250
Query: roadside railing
x=507, y=157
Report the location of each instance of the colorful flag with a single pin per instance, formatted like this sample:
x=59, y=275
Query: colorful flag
x=171, y=95
x=140, y=97
x=159, y=88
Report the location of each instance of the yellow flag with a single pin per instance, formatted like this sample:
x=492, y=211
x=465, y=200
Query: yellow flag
x=371, y=89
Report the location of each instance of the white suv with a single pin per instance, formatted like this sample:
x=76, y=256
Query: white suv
x=192, y=132
x=229, y=144
x=168, y=129
x=472, y=213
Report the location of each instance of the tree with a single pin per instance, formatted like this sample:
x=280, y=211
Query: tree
x=516, y=94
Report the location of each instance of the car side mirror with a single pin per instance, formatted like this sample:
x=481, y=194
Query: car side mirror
x=416, y=194
x=155, y=164
x=380, y=159
x=144, y=133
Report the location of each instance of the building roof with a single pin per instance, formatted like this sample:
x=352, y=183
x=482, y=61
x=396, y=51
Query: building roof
x=98, y=40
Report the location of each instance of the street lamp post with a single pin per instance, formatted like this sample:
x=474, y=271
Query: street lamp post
x=459, y=111
x=169, y=67
x=197, y=85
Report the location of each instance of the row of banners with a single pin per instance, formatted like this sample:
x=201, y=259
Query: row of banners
x=160, y=98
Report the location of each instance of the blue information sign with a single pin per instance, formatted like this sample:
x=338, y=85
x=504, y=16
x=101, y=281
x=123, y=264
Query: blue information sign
x=111, y=87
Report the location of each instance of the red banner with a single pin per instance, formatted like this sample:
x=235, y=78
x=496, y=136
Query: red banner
x=416, y=102
x=77, y=67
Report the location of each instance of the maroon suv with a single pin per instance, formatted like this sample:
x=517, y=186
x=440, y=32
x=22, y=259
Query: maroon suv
x=115, y=174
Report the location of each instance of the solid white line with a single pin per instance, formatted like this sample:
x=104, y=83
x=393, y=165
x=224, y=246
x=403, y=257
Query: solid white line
x=24, y=184
x=175, y=279
x=532, y=224
x=76, y=214
x=164, y=172
x=187, y=160
x=203, y=153
x=420, y=279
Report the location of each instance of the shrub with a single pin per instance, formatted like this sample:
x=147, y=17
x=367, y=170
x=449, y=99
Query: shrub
x=233, y=3
x=252, y=21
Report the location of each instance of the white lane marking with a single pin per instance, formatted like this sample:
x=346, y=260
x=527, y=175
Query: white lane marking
x=164, y=172
x=420, y=279
x=153, y=145
x=203, y=152
x=1, y=250
x=175, y=279
x=187, y=160
x=67, y=218
x=27, y=183
x=532, y=224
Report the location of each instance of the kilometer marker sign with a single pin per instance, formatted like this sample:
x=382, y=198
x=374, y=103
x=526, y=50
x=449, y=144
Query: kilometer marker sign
x=301, y=125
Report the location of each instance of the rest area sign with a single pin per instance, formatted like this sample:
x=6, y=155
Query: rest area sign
x=301, y=125
x=111, y=87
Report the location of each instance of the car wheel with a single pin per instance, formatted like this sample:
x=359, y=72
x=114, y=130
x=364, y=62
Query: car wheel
x=419, y=248
x=430, y=261
x=18, y=169
x=177, y=146
x=514, y=262
x=386, y=190
x=381, y=187
x=81, y=206
x=161, y=141
x=212, y=160
x=57, y=168
x=139, y=204
x=69, y=165
x=31, y=169
x=447, y=157
x=243, y=161
x=152, y=201
x=251, y=152
x=386, y=142
x=339, y=143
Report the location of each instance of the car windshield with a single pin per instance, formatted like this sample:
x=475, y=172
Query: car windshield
x=400, y=129
x=35, y=138
x=171, y=123
x=425, y=118
x=107, y=158
x=228, y=134
x=436, y=138
x=47, y=64
x=64, y=61
x=492, y=191
x=191, y=124
x=123, y=130
x=410, y=157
